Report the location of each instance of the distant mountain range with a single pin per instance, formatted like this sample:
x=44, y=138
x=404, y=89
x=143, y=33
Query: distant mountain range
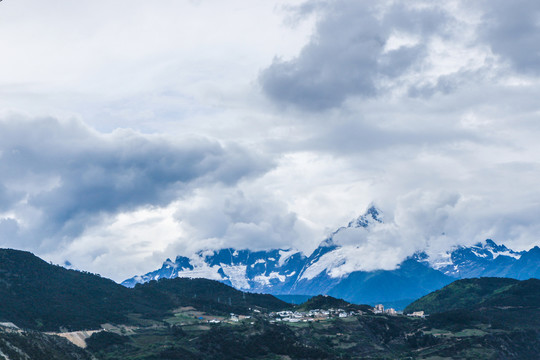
x=333, y=269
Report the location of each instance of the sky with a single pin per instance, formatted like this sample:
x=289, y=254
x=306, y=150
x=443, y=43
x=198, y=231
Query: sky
x=132, y=131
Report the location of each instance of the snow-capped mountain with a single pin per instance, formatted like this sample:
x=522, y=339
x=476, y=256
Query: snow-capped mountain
x=331, y=262
x=336, y=269
x=255, y=271
x=488, y=259
x=275, y=271
x=482, y=259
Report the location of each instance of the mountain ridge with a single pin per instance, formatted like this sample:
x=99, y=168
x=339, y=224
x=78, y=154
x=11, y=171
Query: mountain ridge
x=333, y=268
x=40, y=296
x=192, y=319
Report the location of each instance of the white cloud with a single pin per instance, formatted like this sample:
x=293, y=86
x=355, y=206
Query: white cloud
x=125, y=244
x=265, y=124
x=60, y=177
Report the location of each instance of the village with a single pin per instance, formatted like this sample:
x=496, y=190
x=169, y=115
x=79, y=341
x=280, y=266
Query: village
x=291, y=316
x=311, y=315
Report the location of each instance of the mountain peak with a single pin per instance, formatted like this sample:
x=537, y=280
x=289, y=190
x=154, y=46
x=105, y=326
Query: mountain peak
x=490, y=243
x=371, y=216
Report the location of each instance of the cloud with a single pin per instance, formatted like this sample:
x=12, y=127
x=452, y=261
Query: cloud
x=58, y=177
x=265, y=124
x=418, y=222
x=357, y=46
x=433, y=222
x=212, y=217
x=245, y=217
x=512, y=30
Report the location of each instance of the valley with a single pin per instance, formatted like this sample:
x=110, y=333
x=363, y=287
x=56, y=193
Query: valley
x=182, y=318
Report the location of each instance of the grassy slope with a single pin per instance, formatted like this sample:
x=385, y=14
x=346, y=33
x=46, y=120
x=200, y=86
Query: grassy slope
x=461, y=294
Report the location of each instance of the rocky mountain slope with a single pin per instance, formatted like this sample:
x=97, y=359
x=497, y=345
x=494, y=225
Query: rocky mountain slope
x=18, y=344
x=243, y=269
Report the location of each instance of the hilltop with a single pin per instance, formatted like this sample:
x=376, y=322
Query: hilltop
x=479, y=292
x=206, y=295
x=328, y=302
x=37, y=295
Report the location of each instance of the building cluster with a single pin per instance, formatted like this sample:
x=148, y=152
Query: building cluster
x=237, y=318
x=314, y=315
x=418, y=314
x=379, y=309
x=311, y=315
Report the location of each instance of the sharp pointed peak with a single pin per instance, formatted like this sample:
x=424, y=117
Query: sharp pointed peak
x=421, y=256
x=327, y=242
x=373, y=210
x=372, y=215
x=490, y=242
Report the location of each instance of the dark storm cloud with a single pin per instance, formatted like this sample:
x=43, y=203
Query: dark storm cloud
x=347, y=54
x=70, y=173
x=512, y=29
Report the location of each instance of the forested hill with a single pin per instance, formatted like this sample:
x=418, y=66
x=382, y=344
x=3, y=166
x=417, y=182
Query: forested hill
x=480, y=292
x=208, y=295
x=328, y=302
x=37, y=295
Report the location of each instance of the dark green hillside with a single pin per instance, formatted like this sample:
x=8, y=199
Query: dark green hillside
x=510, y=308
x=328, y=302
x=471, y=293
x=525, y=293
x=205, y=295
x=37, y=295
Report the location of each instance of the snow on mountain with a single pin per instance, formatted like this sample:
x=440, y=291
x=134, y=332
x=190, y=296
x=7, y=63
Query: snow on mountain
x=284, y=255
x=334, y=259
x=242, y=269
x=481, y=259
x=337, y=267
